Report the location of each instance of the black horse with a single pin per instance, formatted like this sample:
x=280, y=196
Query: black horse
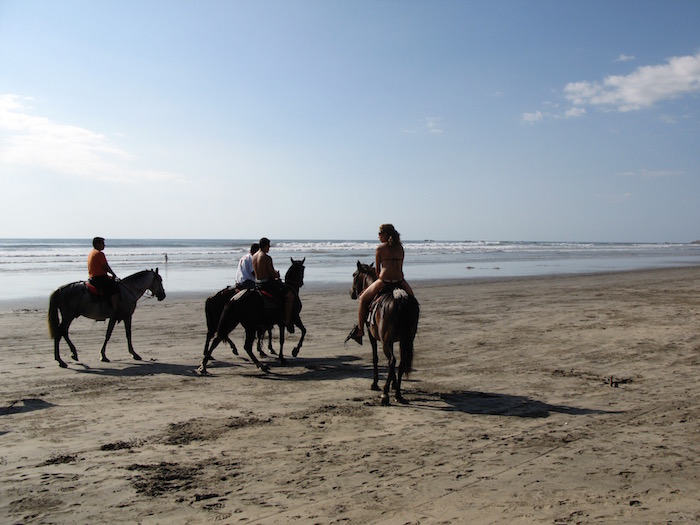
x=258, y=313
x=393, y=317
x=74, y=300
x=214, y=307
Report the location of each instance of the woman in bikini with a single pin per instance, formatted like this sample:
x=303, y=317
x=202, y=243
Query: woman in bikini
x=388, y=260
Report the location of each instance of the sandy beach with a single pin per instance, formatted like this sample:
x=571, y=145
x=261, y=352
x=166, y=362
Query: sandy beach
x=559, y=400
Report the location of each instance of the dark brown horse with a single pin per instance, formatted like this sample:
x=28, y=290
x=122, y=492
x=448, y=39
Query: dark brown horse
x=393, y=317
x=74, y=300
x=257, y=314
x=213, y=308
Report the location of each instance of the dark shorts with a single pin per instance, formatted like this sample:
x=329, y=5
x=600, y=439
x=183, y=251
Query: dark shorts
x=105, y=285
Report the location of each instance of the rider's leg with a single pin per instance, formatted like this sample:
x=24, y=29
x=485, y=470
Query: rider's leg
x=365, y=299
x=406, y=287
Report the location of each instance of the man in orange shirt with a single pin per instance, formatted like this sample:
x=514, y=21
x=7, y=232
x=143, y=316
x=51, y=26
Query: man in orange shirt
x=99, y=272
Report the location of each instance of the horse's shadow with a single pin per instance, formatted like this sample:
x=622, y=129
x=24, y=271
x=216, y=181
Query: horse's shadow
x=140, y=369
x=25, y=405
x=318, y=368
x=486, y=403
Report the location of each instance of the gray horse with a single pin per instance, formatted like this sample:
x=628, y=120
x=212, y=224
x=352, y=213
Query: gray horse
x=74, y=300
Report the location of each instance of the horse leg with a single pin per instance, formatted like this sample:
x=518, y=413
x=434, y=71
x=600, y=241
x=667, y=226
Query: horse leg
x=269, y=341
x=232, y=345
x=110, y=327
x=391, y=376
x=63, y=333
x=301, y=326
x=207, y=356
x=281, y=354
x=56, y=354
x=250, y=335
x=397, y=385
x=375, y=362
x=127, y=329
x=261, y=338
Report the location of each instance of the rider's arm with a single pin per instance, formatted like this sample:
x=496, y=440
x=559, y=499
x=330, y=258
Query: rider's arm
x=378, y=260
x=108, y=269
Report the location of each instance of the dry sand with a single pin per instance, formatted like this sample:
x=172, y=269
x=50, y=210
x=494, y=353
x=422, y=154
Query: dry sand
x=569, y=399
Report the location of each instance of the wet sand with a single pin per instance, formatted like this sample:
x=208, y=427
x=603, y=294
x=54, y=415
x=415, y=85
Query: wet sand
x=567, y=399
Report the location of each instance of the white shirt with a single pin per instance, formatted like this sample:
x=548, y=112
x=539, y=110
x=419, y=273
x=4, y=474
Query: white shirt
x=245, y=269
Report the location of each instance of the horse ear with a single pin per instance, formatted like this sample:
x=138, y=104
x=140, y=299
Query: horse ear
x=303, y=260
x=291, y=259
x=156, y=270
x=359, y=265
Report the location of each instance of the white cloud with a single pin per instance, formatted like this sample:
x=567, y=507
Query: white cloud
x=37, y=142
x=575, y=112
x=613, y=198
x=652, y=173
x=430, y=124
x=533, y=117
x=624, y=58
x=642, y=88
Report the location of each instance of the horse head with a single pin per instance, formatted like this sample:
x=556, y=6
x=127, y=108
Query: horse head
x=362, y=278
x=295, y=274
x=156, y=286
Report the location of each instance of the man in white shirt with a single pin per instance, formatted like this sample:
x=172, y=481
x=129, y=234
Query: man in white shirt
x=245, y=276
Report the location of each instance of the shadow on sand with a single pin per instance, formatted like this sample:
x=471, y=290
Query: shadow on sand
x=484, y=403
x=25, y=405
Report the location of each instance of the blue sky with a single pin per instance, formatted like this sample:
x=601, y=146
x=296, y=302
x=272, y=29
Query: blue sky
x=454, y=120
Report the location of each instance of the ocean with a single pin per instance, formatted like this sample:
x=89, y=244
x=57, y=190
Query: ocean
x=33, y=268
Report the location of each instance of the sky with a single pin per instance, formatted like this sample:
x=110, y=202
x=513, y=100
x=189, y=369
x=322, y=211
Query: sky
x=533, y=120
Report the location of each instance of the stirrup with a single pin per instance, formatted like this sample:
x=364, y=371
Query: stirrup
x=354, y=335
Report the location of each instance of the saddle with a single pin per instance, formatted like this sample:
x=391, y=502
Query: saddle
x=271, y=301
x=391, y=288
x=93, y=290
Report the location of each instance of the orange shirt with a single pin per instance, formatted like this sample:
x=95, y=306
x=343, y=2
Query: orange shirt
x=96, y=263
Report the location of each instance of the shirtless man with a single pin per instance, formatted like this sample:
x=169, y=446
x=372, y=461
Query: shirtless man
x=267, y=278
x=388, y=260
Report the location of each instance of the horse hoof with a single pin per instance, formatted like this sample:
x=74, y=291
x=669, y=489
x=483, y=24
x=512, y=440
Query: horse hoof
x=385, y=400
x=137, y=357
x=283, y=361
x=402, y=400
x=235, y=352
x=265, y=368
x=295, y=352
x=375, y=387
x=105, y=360
x=74, y=357
x=202, y=371
x=62, y=364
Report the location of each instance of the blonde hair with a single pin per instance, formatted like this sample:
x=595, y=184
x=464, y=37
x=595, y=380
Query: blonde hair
x=394, y=236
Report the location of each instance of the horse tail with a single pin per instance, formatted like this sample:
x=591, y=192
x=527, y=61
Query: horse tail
x=212, y=312
x=408, y=313
x=228, y=320
x=52, y=316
